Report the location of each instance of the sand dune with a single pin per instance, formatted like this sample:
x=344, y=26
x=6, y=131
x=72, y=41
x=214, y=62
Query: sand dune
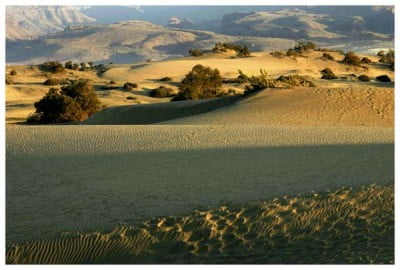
x=344, y=226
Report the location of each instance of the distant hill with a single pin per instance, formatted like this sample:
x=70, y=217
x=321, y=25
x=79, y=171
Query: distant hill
x=30, y=22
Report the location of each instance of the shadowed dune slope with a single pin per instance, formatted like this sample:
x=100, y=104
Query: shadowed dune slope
x=350, y=106
x=343, y=226
x=154, y=113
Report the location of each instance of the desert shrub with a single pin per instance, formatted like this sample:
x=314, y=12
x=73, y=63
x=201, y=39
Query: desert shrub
x=52, y=66
x=13, y=72
x=381, y=53
x=278, y=54
x=351, y=58
x=72, y=103
x=9, y=80
x=166, y=79
x=111, y=82
x=131, y=97
x=303, y=46
x=327, y=56
x=196, y=52
x=241, y=78
x=75, y=66
x=327, y=74
x=260, y=82
x=68, y=65
x=383, y=78
x=291, y=52
x=366, y=60
x=162, y=92
x=52, y=81
x=296, y=80
x=201, y=82
x=90, y=64
x=387, y=58
x=242, y=51
x=129, y=86
x=363, y=78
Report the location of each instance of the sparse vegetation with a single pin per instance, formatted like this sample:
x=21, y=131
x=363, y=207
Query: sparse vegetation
x=327, y=74
x=111, y=82
x=162, y=92
x=166, y=79
x=383, y=78
x=130, y=86
x=52, y=66
x=53, y=81
x=131, y=98
x=241, y=78
x=196, y=52
x=350, y=58
x=9, y=80
x=13, y=72
x=201, y=82
x=387, y=58
x=363, y=78
x=72, y=103
x=366, y=60
x=296, y=80
x=241, y=51
x=278, y=54
x=303, y=46
x=327, y=56
x=260, y=82
x=68, y=65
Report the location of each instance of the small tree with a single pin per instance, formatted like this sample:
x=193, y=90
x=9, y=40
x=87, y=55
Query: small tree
x=162, y=92
x=196, y=52
x=74, y=102
x=68, y=65
x=201, y=82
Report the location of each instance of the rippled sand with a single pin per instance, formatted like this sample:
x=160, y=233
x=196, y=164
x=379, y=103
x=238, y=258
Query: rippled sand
x=343, y=226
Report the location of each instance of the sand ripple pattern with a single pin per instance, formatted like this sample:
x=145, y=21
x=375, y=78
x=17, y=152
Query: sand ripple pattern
x=343, y=226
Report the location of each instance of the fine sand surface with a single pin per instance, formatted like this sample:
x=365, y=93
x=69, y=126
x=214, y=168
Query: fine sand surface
x=344, y=226
x=67, y=178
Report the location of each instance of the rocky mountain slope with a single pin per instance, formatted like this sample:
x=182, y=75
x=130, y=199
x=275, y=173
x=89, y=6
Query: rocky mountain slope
x=30, y=22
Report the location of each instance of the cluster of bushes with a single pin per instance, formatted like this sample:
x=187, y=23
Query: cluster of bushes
x=278, y=54
x=162, y=92
x=387, y=58
x=72, y=103
x=201, y=82
x=295, y=80
x=75, y=66
x=196, y=52
x=241, y=51
x=350, y=58
x=130, y=86
x=327, y=74
x=52, y=66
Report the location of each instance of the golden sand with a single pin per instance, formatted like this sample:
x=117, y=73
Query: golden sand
x=343, y=226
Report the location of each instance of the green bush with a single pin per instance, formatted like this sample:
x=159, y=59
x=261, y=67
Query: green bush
x=196, y=52
x=130, y=86
x=351, y=58
x=75, y=102
x=363, y=78
x=201, y=82
x=52, y=66
x=162, y=92
x=327, y=56
x=13, y=72
x=327, y=74
x=166, y=79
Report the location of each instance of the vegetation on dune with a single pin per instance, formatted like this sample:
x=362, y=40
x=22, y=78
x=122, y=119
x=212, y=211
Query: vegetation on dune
x=363, y=78
x=241, y=78
x=162, y=92
x=166, y=79
x=55, y=81
x=13, y=72
x=72, y=103
x=52, y=66
x=350, y=58
x=241, y=51
x=383, y=78
x=196, y=52
x=260, y=82
x=303, y=46
x=295, y=80
x=387, y=58
x=327, y=74
x=278, y=54
x=327, y=56
x=130, y=86
x=366, y=60
x=9, y=80
x=201, y=82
